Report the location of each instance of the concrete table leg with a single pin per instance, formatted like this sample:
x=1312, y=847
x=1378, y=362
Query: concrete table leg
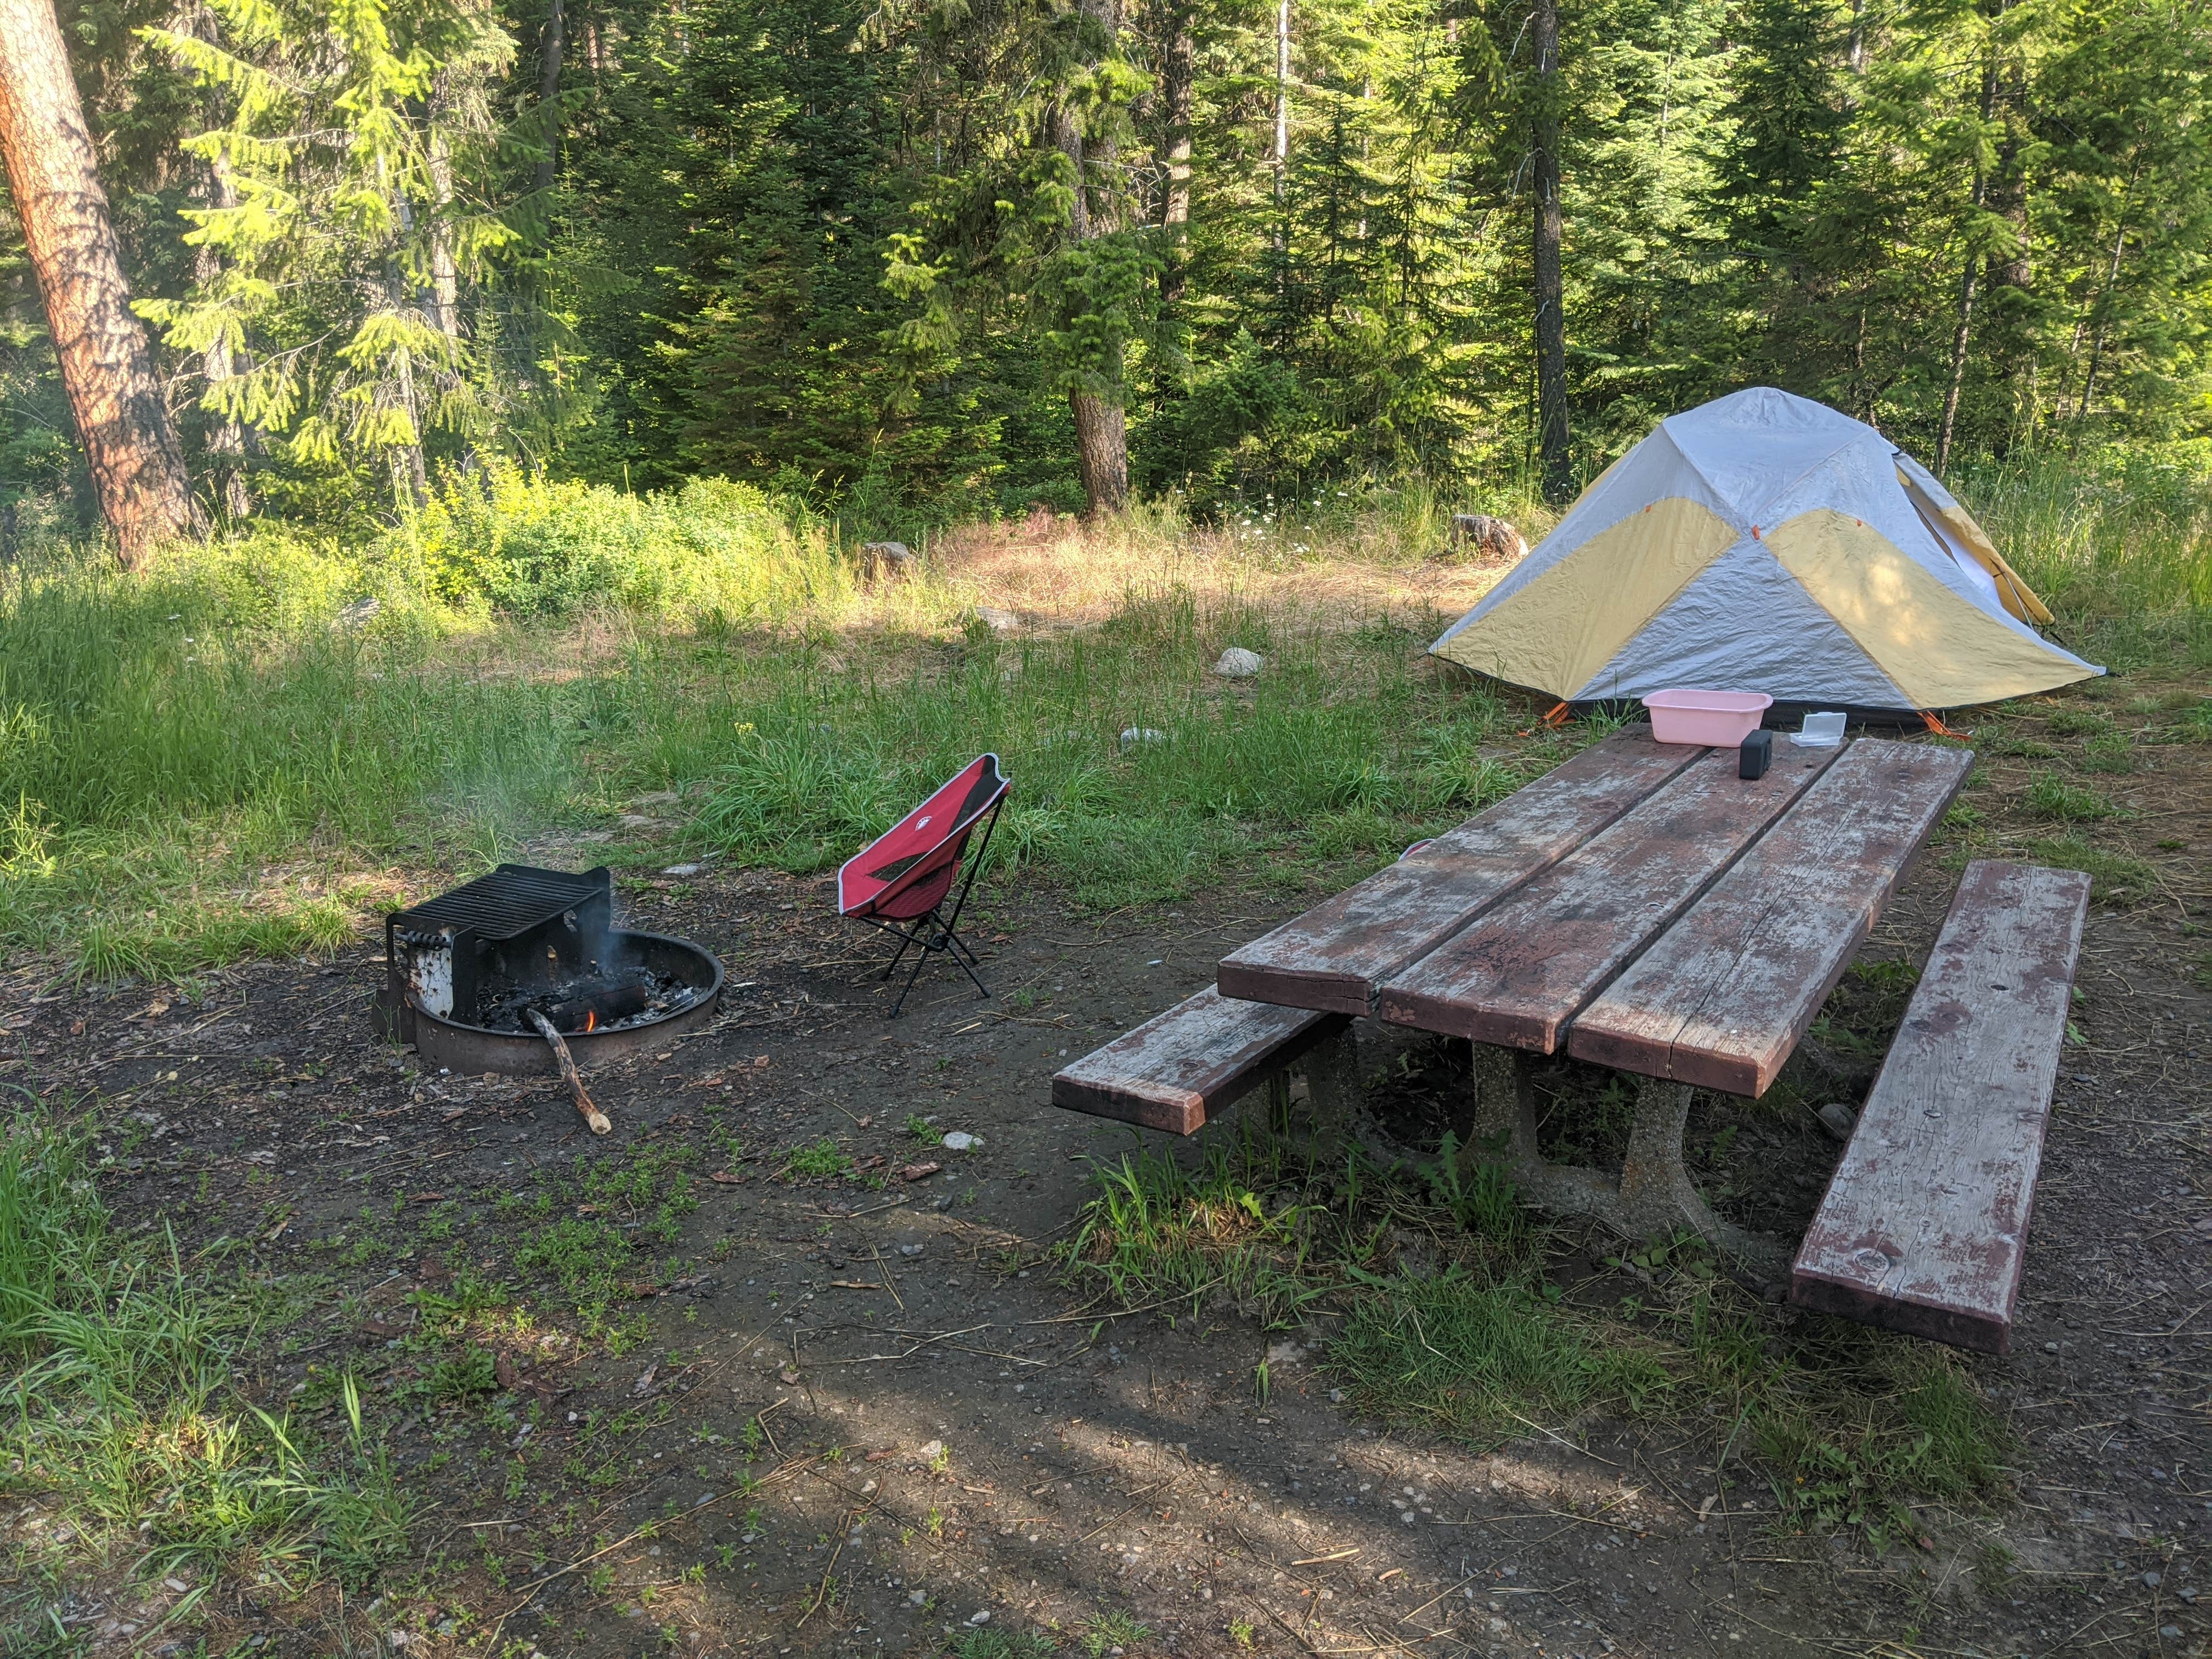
x=1655, y=1196
x=1337, y=1104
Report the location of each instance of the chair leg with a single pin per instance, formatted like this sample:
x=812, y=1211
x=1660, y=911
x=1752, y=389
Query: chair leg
x=906, y=989
x=947, y=939
x=905, y=941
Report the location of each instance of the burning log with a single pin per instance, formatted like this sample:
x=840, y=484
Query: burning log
x=596, y=1008
x=592, y=1114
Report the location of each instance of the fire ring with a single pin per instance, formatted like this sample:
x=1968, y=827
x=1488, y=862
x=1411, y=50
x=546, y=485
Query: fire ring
x=522, y=939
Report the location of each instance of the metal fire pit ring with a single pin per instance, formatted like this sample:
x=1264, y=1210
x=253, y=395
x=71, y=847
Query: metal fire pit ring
x=473, y=1048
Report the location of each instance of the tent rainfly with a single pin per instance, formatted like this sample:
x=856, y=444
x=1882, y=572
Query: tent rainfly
x=1766, y=542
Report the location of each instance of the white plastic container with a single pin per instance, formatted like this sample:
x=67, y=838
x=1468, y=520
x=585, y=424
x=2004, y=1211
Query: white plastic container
x=1722, y=719
x=1821, y=731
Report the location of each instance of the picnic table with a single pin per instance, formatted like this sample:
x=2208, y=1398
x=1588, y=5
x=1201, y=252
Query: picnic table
x=1642, y=906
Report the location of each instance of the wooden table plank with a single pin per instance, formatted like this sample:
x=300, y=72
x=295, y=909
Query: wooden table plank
x=1724, y=996
x=1336, y=955
x=1518, y=973
x=1200, y=1056
x=1925, y=1225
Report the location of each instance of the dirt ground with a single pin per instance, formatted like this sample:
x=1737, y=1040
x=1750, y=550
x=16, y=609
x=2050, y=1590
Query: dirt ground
x=948, y=1438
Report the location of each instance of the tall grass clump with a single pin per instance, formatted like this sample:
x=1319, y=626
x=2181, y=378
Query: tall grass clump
x=119, y=1404
x=2119, y=545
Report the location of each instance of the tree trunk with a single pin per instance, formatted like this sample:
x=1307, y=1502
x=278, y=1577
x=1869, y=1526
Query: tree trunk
x=2097, y=305
x=1177, y=79
x=1102, y=451
x=1282, y=157
x=549, y=95
x=1552, y=460
x=1969, y=279
x=107, y=368
x=1102, y=431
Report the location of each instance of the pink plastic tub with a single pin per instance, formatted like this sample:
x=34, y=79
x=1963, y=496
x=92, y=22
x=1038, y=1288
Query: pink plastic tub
x=1723, y=719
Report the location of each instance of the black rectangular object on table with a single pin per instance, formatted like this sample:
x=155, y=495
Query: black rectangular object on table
x=510, y=923
x=1756, y=756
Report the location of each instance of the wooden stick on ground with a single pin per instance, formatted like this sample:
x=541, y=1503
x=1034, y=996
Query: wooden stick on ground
x=592, y=1114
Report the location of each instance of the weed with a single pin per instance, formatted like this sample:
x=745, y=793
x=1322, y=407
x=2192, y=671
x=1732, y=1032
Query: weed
x=818, y=1160
x=1477, y=1192
x=1159, y=1232
x=590, y=1261
x=1104, y=1632
x=2110, y=753
x=988, y=1642
x=2050, y=796
x=919, y=1126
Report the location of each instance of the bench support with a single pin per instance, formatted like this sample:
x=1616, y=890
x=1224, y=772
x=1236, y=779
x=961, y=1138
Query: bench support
x=1655, y=1196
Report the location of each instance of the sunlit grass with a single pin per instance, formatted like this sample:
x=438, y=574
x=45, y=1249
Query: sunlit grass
x=245, y=751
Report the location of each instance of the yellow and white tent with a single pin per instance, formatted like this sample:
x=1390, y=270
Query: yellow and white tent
x=1766, y=542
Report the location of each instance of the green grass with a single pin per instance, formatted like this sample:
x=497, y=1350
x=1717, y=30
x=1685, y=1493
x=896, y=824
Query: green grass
x=2120, y=878
x=1341, y=749
x=1156, y=1233
x=821, y=1160
x=1456, y=1354
x=2056, y=797
x=2119, y=545
x=226, y=758
x=123, y=1410
x=1431, y=1283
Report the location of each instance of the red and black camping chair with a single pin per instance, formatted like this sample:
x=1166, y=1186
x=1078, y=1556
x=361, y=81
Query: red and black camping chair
x=899, y=884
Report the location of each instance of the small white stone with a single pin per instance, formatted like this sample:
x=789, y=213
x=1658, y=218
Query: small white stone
x=931, y=1451
x=980, y=1617
x=961, y=1141
x=1133, y=735
x=1238, y=664
x=997, y=621
x=682, y=870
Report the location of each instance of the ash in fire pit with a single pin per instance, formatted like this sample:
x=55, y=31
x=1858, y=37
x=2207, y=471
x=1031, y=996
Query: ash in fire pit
x=471, y=973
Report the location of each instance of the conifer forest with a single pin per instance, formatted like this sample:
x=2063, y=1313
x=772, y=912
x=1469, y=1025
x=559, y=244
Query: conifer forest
x=920, y=261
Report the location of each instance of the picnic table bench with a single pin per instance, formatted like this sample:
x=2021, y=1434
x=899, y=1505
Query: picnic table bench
x=1645, y=908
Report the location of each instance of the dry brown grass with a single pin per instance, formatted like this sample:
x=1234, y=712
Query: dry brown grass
x=1057, y=572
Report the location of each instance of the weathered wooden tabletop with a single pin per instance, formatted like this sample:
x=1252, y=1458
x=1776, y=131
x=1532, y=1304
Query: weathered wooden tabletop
x=1642, y=906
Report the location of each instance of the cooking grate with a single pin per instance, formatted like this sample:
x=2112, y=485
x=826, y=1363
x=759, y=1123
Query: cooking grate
x=509, y=924
x=511, y=900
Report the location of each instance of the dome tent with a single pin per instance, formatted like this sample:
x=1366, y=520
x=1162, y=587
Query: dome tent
x=1763, y=542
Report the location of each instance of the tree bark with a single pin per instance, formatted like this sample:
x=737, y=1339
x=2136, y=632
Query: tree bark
x=1102, y=451
x=1552, y=458
x=1177, y=79
x=549, y=94
x=107, y=365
